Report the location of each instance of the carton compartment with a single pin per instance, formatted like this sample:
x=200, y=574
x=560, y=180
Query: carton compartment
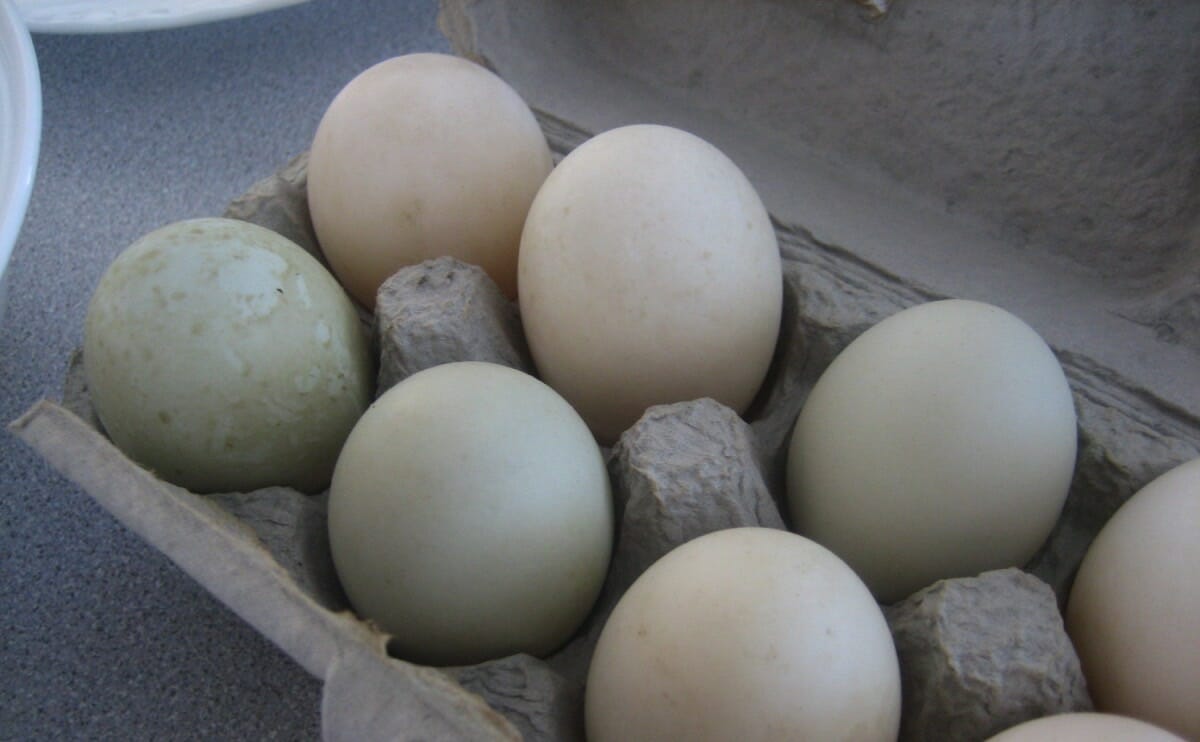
x=1045, y=159
x=265, y=553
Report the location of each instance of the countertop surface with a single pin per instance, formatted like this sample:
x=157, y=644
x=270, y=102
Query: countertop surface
x=101, y=636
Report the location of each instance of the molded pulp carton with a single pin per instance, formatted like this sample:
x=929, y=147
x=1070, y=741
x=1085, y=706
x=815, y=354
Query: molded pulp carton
x=1041, y=157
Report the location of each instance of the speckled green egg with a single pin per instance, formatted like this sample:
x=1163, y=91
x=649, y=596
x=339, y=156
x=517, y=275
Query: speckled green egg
x=223, y=357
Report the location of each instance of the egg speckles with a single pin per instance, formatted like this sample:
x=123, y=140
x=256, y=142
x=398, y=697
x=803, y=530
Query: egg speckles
x=224, y=357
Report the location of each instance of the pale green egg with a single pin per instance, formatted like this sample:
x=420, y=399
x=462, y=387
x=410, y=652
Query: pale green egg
x=471, y=516
x=223, y=357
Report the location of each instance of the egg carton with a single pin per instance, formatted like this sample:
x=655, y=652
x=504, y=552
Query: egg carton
x=1039, y=158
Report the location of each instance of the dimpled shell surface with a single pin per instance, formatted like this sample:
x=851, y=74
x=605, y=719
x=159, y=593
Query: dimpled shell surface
x=649, y=274
x=940, y=443
x=421, y=156
x=224, y=358
x=470, y=515
x=1134, y=610
x=746, y=634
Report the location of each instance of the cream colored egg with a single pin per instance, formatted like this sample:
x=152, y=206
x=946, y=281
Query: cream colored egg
x=745, y=634
x=1134, y=609
x=649, y=274
x=940, y=443
x=470, y=515
x=225, y=358
x=1085, y=727
x=421, y=156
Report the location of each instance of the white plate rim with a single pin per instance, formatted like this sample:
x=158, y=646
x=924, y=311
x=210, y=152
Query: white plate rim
x=23, y=84
x=114, y=16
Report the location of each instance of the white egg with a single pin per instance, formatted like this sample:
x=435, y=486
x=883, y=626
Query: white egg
x=1134, y=610
x=470, y=515
x=1084, y=727
x=940, y=443
x=649, y=273
x=421, y=156
x=225, y=358
x=746, y=634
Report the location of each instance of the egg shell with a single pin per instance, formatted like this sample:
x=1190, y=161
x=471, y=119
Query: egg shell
x=747, y=634
x=1134, y=609
x=421, y=156
x=225, y=358
x=940, y=443
x=470, y=515
x=649, y=274
x=1084, y=727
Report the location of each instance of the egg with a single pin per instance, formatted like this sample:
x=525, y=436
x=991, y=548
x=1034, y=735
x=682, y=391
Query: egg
x=470, y=515
x=1084, y=727
x=940, y=443
x=421, y=156
x=747, y=634
x=649, y=273
x=225, y=358
x=1134, y=609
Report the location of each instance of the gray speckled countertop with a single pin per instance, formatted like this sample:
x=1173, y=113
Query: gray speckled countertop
x=101, y=637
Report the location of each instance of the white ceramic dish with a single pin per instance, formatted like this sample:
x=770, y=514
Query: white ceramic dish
x=20, y=130
x=110, y=16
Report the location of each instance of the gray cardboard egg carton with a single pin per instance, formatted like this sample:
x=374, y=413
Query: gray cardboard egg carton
x=1042, y=157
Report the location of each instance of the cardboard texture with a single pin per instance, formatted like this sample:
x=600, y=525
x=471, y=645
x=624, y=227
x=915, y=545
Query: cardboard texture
x=367, y=695
x=1040, y=157
x=865, y=229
